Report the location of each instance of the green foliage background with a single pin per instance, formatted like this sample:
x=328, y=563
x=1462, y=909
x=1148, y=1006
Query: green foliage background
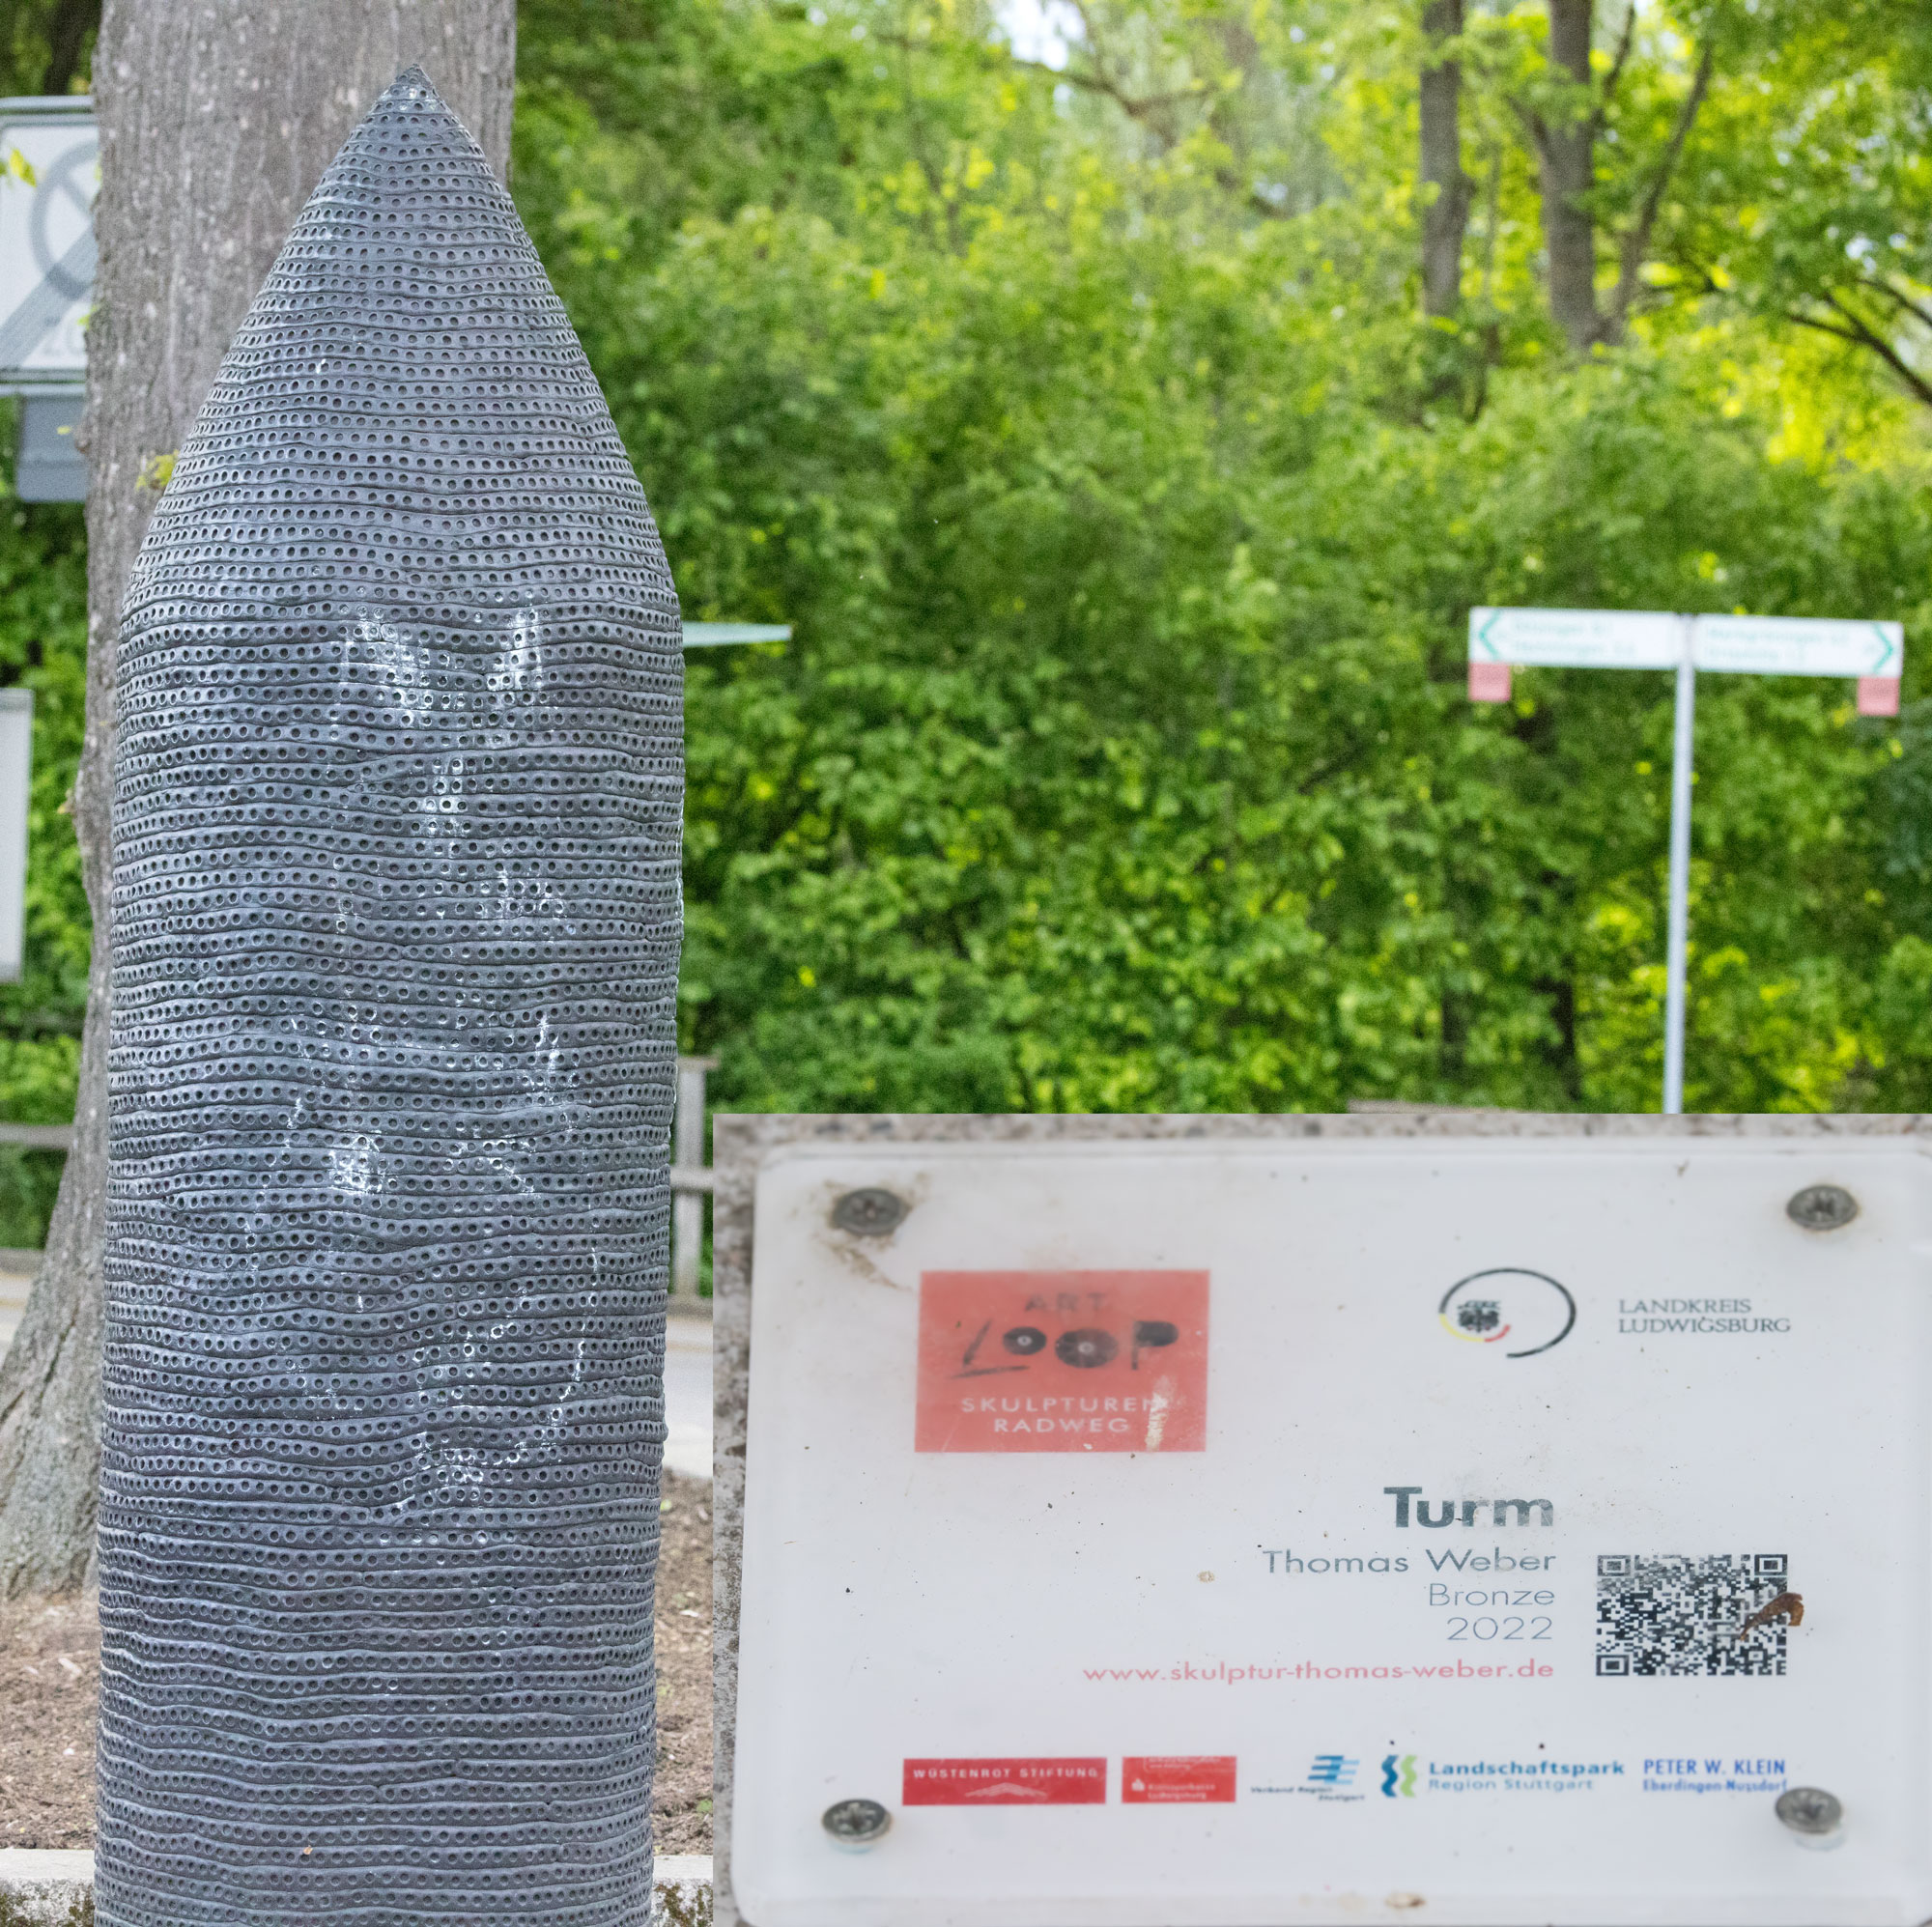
x=1084, y=424
x=1123, y=758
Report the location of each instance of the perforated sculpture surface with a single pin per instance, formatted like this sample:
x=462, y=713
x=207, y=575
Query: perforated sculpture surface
x=396, y=922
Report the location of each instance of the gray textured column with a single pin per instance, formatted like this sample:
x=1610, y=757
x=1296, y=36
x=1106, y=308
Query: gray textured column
x=395, y=938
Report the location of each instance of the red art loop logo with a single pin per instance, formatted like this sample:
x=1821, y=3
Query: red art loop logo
x=1062, y=1361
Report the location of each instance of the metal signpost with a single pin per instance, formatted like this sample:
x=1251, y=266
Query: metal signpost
x=51, y=150
x=1764, y=645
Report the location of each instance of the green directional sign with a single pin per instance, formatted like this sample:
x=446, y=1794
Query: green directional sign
x=1783, y=645
x=1576, y=638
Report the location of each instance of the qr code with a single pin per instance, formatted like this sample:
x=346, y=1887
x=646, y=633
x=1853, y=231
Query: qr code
x=1672, y=1614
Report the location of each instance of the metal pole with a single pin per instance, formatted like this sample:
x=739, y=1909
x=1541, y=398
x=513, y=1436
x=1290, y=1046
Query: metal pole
x=1680, y=880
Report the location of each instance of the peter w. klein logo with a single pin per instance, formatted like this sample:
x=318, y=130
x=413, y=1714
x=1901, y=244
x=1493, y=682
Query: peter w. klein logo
x=1520, y=1311
x=1399, y=1776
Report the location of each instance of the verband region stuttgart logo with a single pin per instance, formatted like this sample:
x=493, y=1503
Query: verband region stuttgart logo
x=1055, y=1782
x=1332, y=1770
x=1062, y=1361
x=1523, y=1312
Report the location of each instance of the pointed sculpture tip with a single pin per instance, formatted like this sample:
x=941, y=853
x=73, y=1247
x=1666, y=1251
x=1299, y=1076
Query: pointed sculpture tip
x=413, y=91
x=412, y=81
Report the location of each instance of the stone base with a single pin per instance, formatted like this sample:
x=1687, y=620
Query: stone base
x=46, y=1888
x=50, y=1889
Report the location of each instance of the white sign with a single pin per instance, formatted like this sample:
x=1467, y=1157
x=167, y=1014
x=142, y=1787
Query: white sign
x=1781, y=646
x=46, y=241
x=709, y=635
x=1184, y=1535
x=1599, y=638
x=1576, y=638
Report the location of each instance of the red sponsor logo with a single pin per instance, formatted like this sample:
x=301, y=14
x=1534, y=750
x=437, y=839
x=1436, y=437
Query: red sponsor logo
x=1062, y=1361
x=1174, y=1779
x=1005, y=1783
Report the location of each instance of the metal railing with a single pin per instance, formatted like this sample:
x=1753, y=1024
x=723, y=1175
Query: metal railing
x=691, y=1177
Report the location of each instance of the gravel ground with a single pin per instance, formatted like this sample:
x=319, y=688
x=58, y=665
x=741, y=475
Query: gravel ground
x=51, y=1672
x=684, y=1669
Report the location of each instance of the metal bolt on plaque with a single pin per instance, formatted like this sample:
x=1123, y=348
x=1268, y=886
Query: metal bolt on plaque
x=396, y=825
x=856, y=1824
x=1815, y=1817
x=869, y=1213
x=1822, y=1208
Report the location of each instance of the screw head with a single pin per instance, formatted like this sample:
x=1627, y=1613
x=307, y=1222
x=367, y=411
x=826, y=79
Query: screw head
x=857, y=1822
x=869, y=1213
x=1822, y=1208
x=1810, y=1812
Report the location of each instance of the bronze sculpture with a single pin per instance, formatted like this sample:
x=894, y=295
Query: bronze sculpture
x=396, y=918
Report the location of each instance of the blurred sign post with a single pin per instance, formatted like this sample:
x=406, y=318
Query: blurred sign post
x=50, y=154
x=16, y=754
x=1764, y=645
x=49, y=170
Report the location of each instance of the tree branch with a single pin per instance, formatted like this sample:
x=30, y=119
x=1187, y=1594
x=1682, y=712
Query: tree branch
x=1636, y=243
x=1858, y=332
x=1533, y=125
x=1149, y=110
x=1916, y=309
x=1616, y=74
x=1142, y=107
x=1335, y=765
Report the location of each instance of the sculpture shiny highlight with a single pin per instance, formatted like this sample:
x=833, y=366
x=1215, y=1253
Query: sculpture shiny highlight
x=396, y=921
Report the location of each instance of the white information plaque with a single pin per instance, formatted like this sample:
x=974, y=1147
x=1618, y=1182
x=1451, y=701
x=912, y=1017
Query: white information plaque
x=1203, y=1534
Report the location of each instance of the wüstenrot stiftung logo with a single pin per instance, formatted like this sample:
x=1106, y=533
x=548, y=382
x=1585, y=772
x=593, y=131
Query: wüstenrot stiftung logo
x=1399, y=1776
x=1331, y=1769
x=1523, y=1312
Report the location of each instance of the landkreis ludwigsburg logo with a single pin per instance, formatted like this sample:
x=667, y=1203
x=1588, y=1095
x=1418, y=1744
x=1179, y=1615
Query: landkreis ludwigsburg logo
x=1523, y=1312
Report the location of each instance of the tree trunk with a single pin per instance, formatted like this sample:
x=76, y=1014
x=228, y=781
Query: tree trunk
x=217, y=118
x=1446, y=212
x=73, y=21
x=1567, y=153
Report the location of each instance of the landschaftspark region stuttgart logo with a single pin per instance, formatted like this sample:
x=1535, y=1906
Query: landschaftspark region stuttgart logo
x=1525, y=1312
